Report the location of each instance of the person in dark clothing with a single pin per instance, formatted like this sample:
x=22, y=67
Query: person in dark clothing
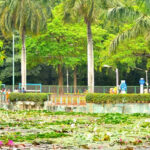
x=23, y=90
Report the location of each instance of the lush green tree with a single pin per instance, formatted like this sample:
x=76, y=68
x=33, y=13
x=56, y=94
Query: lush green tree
x=64, y=45
x=141, y=24
x=90, y=11
x=54, y=3
x=127, y=57
x=27, y=17
x=44, y=51
x=61, y=46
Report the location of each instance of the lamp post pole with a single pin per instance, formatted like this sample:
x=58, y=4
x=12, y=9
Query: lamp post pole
x=67, y=81
x=147, y=80
x=13, y=78
x=117, y=77
x=117, y=80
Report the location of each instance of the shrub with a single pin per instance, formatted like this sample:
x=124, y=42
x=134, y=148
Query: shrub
x=35, y=97
x=117, y=98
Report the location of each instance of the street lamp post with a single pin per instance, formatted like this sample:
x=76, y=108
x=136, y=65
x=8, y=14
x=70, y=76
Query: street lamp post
x=147, y=80
x=13, y=78
x=117, y=77
x=67, y=81
x=117, y=80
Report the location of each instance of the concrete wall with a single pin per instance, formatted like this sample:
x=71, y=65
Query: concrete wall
x=118, y=108
x=104, y=108
x=88, y=108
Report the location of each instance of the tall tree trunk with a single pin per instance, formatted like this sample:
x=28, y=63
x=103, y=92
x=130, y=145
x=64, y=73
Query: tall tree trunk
x=90, y=59
x=75, y=79
x=60, y=79
x=23, y=61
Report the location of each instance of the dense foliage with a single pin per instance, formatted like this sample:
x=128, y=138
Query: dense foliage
x=35, y=97
x=65, y=44
x=115, y=98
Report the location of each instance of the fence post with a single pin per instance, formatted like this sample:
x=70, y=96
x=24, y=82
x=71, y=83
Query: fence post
x=41, y=88
x=57, y=90
x=61, y=100
x=104, y=90
x=66, y=100
x=135, y=89
x=78, y=100
x=71, y=100
x=80, y=91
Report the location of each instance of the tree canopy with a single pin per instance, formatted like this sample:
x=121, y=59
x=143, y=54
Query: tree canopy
x=63, y=44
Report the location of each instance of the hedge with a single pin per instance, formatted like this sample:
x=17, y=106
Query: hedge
x=35, y=97
x=117, y=98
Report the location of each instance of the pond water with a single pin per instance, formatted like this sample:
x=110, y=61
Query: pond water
x=41, y=130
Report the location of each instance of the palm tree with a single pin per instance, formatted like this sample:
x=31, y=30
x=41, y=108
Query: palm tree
x=141, y=21
x=28, y=17
x=90, y=11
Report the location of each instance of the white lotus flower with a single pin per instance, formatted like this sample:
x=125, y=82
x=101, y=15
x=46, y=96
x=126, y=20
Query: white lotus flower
x=74, y=120
x=89, y=136
x=72, y=125
x=108, y=133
